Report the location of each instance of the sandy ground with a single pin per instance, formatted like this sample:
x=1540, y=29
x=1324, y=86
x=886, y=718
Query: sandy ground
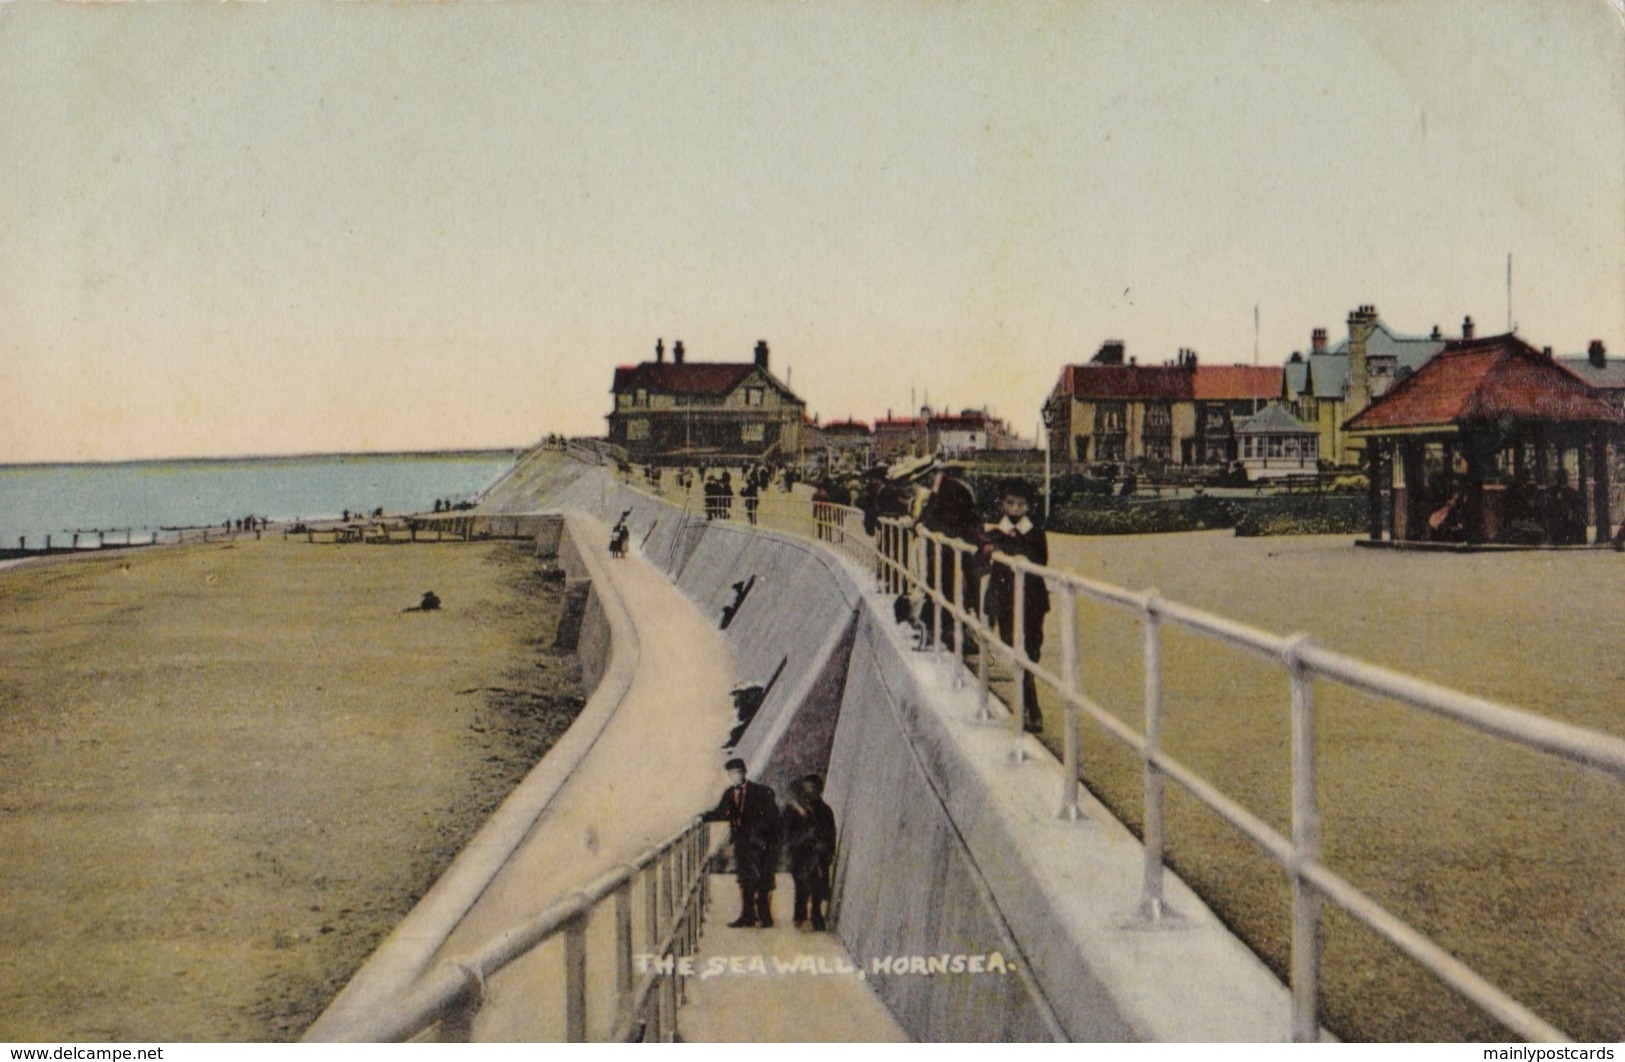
x=1513, y=862
x=226, y=771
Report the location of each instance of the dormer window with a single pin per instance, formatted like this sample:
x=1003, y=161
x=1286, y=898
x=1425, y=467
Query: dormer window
x=642, y=398
x=755, y=396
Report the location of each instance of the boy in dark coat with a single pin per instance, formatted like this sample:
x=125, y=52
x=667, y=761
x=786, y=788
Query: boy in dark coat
x=809, y=837
x=753, y=814
x=1017, y=536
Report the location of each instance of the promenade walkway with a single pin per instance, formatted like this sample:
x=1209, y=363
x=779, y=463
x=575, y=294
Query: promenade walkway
x=777, y=985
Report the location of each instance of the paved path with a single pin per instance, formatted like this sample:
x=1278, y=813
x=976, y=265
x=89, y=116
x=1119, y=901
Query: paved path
x=777, y=985
x=657, y=763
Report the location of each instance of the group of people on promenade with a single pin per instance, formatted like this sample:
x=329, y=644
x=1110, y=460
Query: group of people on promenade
x=948, y=508
x=805, y=831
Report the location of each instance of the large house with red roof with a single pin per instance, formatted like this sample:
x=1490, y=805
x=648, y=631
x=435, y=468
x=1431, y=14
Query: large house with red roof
x=1179, y=414
x=682, y=412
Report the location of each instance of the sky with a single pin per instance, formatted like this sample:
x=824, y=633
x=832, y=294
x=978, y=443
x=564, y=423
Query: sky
x=296, y=227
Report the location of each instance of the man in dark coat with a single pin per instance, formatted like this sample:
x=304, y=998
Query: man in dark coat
x=809, y=838
x=949, y=510
x=1016, y=535
x=753, y=814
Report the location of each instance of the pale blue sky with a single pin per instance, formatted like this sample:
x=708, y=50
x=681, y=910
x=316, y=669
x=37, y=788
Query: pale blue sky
x=261, y=228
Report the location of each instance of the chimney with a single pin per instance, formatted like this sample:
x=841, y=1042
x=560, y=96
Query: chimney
x=1466, y=328
x=761, y=354
x=1597, y=354
x=677, y=352
x=1546, y=352
x=1111, y=353
x=1317, y=341
x=1297, y=358
x=660, y=352
x=1362, y=323
x=1436, y=333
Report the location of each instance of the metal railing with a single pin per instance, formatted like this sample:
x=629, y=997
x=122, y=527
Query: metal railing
x=1303, y=664
x=896, y=554
x=672, y=878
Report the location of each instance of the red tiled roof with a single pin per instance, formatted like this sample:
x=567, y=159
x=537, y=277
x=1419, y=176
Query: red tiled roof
x=895, y=423
x=846, y=426
x=1227, y=382
x=1485, y=379
x=1142, y=382
x=688, y=378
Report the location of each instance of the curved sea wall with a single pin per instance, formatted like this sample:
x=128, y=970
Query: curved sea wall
x=975, y=913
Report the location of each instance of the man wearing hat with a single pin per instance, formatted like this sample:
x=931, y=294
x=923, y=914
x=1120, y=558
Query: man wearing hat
x=753, y=814
x=949, y=510
x=1016, y=535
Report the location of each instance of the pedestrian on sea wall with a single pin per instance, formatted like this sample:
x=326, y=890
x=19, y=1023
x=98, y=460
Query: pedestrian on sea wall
x=950, y=510
x=809, y=840
x=753, y=815
x=1016, y=535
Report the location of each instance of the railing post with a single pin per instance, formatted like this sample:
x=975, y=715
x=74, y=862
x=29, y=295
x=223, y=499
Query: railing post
x=1151, y=902
x=984, y=709
x=623, y=947
x=575, y=977
x=933, y=591
x=1072, y=753
x=457, y=1027
x=1306, y=899
x=679, y=942
x=958, y=599
x=1018, y=645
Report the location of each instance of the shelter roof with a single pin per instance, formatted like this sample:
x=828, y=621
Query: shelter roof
x=1273, y=419
x=1494, y=378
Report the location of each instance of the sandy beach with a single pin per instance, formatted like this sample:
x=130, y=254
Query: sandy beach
x=227, y=770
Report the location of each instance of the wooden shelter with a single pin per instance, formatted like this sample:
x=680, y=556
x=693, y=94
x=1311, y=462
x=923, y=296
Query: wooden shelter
x=1489, y=442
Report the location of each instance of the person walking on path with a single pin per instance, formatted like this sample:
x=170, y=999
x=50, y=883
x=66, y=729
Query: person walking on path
x=753, y=815
x=950, y=510
x=809, y=840
x=1016, y=535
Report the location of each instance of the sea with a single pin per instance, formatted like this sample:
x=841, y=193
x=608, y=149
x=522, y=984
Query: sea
x=141, y=498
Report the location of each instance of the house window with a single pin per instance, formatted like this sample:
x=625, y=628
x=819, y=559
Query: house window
x=642, y=399
x=1158, y=418
x=623, y=401
x=637, y=430
x=1108, y=417
x=753, y=432
x=754, y=395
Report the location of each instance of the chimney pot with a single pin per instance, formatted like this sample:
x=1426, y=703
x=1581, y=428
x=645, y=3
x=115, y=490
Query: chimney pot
x=1467, y=327
x=677, y=352
x=1597, y=353
x=1437, y=334
x=761, y=353
x=1317, y=341
x=660, y=352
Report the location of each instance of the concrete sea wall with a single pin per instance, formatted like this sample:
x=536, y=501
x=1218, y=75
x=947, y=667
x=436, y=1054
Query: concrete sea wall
x=948, y=850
